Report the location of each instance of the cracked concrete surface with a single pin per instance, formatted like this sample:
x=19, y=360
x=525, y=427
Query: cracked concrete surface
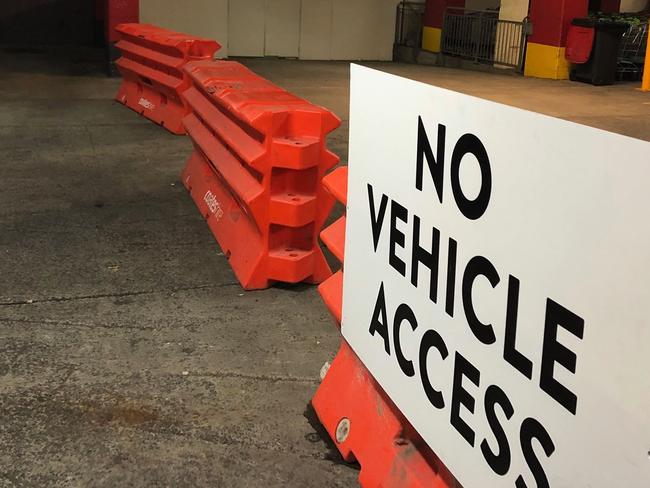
x=129, y=356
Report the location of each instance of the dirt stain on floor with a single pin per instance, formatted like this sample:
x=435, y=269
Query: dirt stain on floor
x=122, y=413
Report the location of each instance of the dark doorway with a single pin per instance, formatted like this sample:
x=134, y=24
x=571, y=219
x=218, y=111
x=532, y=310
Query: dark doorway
x=48, y=22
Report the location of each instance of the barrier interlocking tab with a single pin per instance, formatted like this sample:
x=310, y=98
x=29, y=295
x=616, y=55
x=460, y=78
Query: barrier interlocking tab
x=256, y=172
x=364, y=423
x=152, y=70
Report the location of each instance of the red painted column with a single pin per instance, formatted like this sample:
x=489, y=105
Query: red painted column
x=546, y=47
x=120, y=12
x=433, y=15
x=117, y=12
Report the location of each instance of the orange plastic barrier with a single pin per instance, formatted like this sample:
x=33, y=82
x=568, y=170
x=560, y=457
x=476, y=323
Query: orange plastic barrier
x=256, y=172
x=152, y=70
x=358, y=415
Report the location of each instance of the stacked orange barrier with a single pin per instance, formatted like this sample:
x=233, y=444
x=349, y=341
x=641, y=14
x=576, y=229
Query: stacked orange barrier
x=152, y=70
x=256, y=172
x=364, y=423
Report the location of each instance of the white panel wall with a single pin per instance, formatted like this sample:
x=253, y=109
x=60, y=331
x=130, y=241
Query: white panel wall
x=205, y=18
x=354, y=29
x=348, y=29
x=351, y=29
x=309, y=29
x=246, y=26
x=283, y=28
x=316, y=29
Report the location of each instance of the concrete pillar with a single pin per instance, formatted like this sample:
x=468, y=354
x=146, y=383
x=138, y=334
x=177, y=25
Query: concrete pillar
x=634, y=5
x=433, y=16
x=546, y=47
x=516, y=10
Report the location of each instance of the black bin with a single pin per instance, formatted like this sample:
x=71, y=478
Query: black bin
x=601, y=67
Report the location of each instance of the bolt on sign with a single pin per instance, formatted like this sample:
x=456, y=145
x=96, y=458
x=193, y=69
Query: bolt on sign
x=497, y=284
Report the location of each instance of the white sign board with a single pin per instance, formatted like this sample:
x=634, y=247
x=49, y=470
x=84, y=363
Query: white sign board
x=497, y=284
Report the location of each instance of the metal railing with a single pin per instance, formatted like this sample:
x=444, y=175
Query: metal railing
x=409, y=24
x=480, y=35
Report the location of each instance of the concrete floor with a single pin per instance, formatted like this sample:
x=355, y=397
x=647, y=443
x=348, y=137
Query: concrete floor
x=129, y=355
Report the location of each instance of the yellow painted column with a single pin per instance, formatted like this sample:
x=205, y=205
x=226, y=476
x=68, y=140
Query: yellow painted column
x=543, y=61
x=645, y=84
x=431, y=38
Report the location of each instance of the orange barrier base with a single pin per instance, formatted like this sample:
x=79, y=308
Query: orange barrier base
x=165, y=110
x=358, y=415
x=240, y=239
x=368, y=428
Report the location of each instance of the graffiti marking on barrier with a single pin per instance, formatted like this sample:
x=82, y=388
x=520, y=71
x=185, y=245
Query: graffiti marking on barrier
x=146, y=103
x=213, y=204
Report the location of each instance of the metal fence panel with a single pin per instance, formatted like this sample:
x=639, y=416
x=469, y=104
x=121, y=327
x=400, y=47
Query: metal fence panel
x=409, y=24
x=481, y=36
